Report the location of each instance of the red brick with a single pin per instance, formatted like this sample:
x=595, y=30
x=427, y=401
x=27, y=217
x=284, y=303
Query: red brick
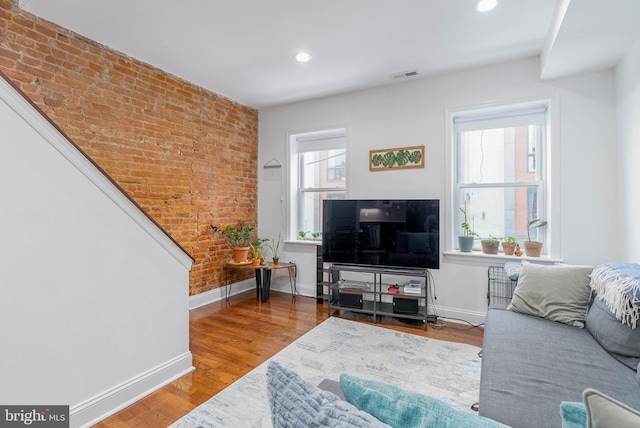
x=165, y=141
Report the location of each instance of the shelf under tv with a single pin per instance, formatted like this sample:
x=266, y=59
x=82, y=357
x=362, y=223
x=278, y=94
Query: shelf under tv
x=373, y=297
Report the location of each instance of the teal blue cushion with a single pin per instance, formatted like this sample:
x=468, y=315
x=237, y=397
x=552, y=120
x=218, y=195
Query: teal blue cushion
x=295, y=402
x=574, y=415
x=400, y=408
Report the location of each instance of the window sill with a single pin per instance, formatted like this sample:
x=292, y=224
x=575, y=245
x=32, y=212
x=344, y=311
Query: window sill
x=301, y=242
x=487, y=259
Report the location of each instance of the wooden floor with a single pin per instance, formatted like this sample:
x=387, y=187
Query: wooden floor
x=228, y=339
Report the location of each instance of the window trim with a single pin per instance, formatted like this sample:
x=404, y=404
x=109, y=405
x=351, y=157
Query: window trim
x=551, y=150
x=293, y=185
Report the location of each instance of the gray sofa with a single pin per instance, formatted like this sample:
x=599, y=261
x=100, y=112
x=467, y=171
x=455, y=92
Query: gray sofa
x=531, y=364
x=555, y=348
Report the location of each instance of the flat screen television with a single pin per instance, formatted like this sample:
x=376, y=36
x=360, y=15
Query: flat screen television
x=383, y=233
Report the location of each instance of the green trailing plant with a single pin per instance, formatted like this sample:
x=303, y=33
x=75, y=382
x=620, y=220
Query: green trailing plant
x=238, y=236
x=274, y=246
x=302, y=234
x=316, y=235
x=534, y=224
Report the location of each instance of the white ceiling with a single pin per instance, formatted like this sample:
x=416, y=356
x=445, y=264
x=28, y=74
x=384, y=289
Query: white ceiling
x=243, y=49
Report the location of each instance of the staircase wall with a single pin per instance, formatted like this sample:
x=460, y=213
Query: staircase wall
x=94, y=295
x=186, y=155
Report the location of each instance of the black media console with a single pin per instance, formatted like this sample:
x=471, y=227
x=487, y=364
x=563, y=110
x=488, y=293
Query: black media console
x=375, y=297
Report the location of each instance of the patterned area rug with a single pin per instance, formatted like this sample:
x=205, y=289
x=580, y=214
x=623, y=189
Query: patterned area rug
x=444, y=370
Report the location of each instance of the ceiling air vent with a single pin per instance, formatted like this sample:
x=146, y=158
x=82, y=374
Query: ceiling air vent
x=404, y=74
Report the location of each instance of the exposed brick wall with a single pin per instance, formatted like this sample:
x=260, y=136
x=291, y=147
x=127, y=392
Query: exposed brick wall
x=186, y=155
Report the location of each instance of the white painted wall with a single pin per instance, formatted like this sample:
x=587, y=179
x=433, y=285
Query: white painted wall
x=93, y=296
x=413, y=113
x=628, y=114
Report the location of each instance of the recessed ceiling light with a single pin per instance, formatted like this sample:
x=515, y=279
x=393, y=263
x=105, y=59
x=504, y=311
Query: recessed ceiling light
x=486, y=5
x=302, y=57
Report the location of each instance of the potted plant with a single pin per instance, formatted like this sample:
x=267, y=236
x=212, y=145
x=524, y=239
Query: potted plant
x=491, y=245
x=274, y=246
x=239, y=237
x=533, y=248
x=465, y=242
x=302, y=235
x=256, y=250
x=509, y=246
x=316, y=235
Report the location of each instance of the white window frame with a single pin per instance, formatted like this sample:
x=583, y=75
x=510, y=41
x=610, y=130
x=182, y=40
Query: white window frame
x=550, y=200
x=323, y=138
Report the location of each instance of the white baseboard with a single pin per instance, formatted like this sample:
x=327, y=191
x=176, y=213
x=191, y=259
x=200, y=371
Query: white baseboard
x=277, y=284
x=220, y=293
x=458, y=315
x=282, y=284
x=115, y=399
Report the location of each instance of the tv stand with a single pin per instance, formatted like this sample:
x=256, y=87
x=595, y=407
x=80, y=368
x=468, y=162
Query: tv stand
x=375, y=297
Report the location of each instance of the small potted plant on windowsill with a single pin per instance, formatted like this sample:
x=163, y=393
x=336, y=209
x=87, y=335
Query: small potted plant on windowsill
x=533, y=248
x=509, y=246
x=491, y=245
x=239, y=238
x=465, y=242
x=274, y=246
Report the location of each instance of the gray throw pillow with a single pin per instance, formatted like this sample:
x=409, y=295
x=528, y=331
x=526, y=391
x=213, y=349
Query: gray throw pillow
x=604, y=412
x=620, y=340
x=297, y=403
x=555, y=292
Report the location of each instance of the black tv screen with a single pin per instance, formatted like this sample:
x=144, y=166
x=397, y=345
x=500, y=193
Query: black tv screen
x=385, y=233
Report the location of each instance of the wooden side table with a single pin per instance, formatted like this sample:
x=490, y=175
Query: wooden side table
x=263, y=277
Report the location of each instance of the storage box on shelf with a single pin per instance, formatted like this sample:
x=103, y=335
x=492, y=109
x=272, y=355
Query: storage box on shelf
x=377, y=298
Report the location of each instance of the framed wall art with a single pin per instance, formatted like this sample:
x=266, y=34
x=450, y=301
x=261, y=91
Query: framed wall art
x=398, y=158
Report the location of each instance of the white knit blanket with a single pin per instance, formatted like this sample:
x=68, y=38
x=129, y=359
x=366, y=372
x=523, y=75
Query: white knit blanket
x=618, y=285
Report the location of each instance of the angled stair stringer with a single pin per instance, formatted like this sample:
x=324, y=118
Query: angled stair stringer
x=94, y=306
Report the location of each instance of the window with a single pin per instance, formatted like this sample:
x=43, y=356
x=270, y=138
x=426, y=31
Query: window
x=499, y=171
x=318, y=172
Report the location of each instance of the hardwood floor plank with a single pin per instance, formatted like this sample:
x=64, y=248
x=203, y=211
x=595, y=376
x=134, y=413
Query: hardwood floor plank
x=229, y=339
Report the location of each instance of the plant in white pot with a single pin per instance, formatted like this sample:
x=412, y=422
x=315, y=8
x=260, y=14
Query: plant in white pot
x=239, y=237
x=465, y=242
x=533, y=248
